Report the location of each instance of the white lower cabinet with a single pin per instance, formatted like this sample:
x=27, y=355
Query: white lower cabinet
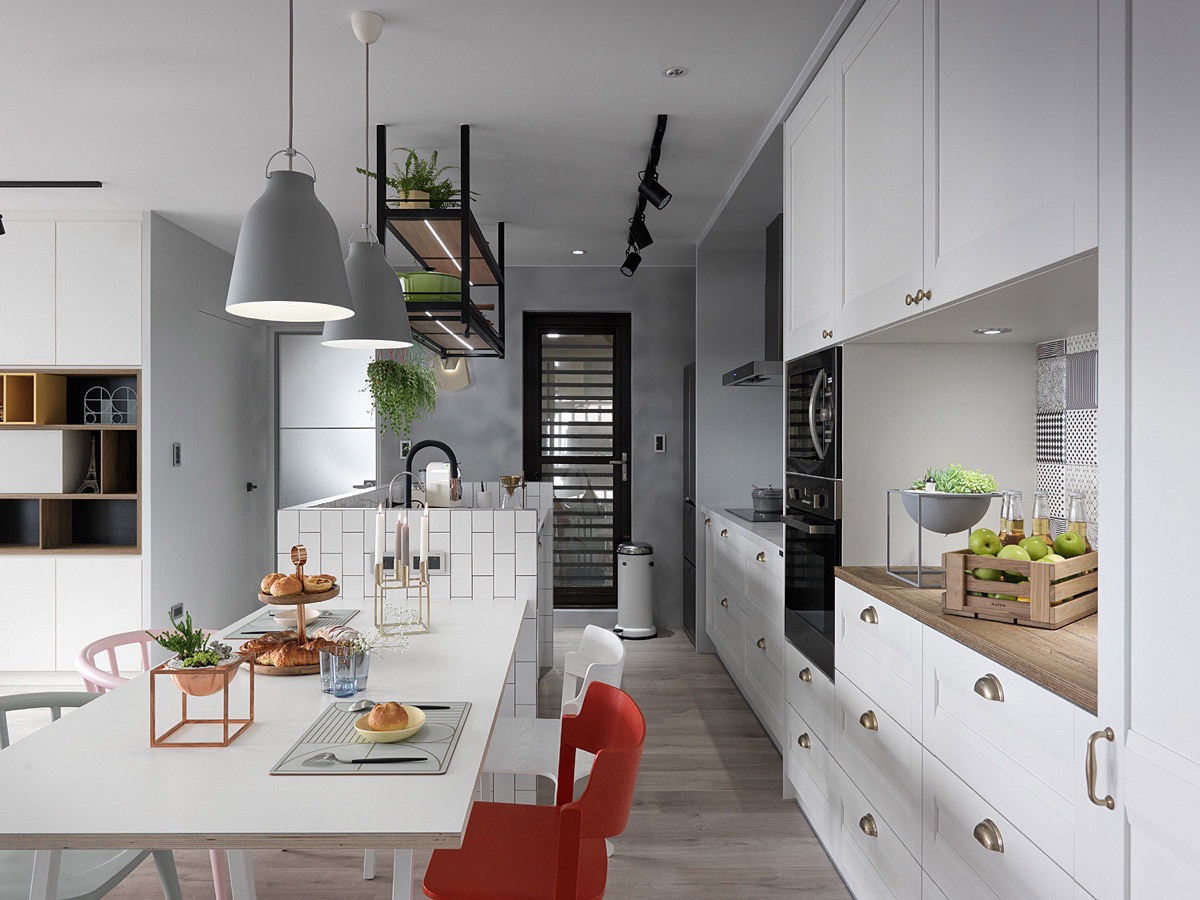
x=809, y=768
x=870, y=853
x=971, y=850
x=28, y=599
x=97, y=596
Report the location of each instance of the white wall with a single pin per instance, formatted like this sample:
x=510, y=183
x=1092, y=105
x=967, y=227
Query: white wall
x=189, y=277
x=962, y=403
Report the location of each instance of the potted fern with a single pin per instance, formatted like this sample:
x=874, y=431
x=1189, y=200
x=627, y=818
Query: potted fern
x=419, y=184
x=404, y=389
x=198, y=659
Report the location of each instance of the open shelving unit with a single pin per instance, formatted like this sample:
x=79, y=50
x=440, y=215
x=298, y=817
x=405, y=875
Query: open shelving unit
x=449, y=241
x=67, y=522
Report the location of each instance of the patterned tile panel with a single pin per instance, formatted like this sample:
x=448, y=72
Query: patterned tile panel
x=1050, y=437
x=1083, y=343
x=1050, y=478
x=1084, y=478
x=1051, y=349
x=1052, y=384
x=1081, y=380
x=1078, y=437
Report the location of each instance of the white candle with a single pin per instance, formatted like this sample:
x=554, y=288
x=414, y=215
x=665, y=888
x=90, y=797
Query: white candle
x=399, y=546
x=405, y=551
x=425, y=537
x=380, y=528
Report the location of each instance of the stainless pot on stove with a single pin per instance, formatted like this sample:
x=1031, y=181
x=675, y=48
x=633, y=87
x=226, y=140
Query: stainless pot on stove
x=767, y=499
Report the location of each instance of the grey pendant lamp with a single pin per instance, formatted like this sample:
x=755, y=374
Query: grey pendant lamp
x=381, y=317
x=288, y=264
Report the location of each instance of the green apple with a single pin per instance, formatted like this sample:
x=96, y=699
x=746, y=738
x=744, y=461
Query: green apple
x=1052, y=558
x=988, y=574
x=1035, y=547
x=1014, y=551
x=1070, y=544
x=984, y=542
x=1002, y=597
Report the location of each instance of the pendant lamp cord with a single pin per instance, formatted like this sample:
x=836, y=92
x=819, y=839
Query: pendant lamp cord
x=367, y=142
x=291, y=150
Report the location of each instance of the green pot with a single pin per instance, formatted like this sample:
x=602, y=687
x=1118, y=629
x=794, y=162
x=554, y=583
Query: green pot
x=431, y=286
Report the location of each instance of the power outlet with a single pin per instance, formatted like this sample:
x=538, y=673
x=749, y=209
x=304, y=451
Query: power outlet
x=176, y=612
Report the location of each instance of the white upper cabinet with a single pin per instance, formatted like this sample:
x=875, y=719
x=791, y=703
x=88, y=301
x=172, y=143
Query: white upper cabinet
x=812, y=270
x=1010, y=139
x=99, y=293
x=27, y=294
x=879, y=66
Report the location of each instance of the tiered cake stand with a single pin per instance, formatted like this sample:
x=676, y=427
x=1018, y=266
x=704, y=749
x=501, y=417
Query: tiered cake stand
x=299, y=558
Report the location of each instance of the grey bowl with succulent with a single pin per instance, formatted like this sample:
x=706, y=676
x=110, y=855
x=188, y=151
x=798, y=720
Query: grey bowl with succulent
x=950, y=499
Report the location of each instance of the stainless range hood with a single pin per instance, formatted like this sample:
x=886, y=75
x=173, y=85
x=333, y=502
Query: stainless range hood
x=768, y=371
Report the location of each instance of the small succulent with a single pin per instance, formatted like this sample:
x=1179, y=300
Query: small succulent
x=954, y=479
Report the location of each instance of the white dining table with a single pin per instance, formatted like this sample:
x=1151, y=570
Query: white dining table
x=92, y=780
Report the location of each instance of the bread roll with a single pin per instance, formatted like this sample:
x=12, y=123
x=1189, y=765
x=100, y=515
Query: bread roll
x=388, y=716
x=317, y=584
x=270, y=580
x=286, y=586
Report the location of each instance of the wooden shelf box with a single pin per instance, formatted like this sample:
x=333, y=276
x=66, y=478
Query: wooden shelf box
x=19, y=524
x=97, y=524
x=33, y=398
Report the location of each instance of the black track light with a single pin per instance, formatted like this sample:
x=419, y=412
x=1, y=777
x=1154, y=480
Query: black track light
x=650, y=188
x=639, y=234
x=1, y=224
x=633, y=259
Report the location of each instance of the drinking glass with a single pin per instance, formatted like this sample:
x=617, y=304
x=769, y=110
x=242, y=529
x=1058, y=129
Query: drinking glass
x=342, y=665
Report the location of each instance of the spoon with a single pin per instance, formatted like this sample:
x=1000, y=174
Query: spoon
x=321, y=759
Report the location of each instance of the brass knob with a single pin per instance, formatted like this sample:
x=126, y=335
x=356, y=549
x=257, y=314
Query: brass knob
x=804, y=741
x=725, y=602
x=1089, y=767
x=988, y=687
x=762, y=557
x=868, y=721
x=924, y=295
x=867, y=825
x=761, y=643
x=988, y=835
x=869, y=615
x=909, y=300
x=806, y=675
x=826, y=334
x=725, y=532
x=707, y=522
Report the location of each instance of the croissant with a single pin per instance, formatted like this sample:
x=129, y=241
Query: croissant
x=268, y=642
x=291, y=654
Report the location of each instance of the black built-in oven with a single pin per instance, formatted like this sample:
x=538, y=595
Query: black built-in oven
x=814, y=411
x=812, y=533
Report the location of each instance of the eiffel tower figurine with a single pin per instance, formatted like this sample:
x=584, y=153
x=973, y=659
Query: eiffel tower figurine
x=91, y=484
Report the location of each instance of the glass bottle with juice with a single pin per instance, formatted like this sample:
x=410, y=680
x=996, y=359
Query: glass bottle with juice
x=1041, y=517
x=1016, y=519
x=1077, y=516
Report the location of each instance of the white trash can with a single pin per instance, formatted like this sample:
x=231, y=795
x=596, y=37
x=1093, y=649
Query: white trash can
x=635, y=591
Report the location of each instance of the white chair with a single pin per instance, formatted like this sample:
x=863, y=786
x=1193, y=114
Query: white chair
x=70, y=874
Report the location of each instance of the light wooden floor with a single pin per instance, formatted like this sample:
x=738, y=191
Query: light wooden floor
x=707, y=820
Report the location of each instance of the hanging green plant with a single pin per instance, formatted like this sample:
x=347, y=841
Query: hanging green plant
x=404, y=389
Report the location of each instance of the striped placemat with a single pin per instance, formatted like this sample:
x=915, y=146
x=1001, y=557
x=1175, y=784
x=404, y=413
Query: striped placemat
x=266, y=622
x=333, y=732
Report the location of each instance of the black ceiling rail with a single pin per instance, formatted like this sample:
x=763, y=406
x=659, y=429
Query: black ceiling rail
x=51, y=184
x=475, y=325
x=649, y=173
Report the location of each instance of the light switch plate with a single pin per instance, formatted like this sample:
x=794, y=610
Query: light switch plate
x=176, y=612
x=660, y=443
x=176, y=455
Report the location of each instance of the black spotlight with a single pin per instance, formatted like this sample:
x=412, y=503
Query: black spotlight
x=639, y=234
x=1, y=224
x=650, y=188
x=633, y=259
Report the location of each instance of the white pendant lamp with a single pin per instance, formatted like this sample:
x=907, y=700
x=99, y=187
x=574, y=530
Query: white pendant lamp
x=381, y=317
x=288, y=264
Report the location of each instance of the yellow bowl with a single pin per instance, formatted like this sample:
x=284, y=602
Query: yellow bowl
x=416, y=720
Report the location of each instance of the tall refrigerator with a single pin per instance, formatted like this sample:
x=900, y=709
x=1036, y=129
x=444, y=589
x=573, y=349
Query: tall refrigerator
x=689, y=501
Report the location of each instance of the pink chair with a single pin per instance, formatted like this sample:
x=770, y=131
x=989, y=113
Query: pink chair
x=102, y=680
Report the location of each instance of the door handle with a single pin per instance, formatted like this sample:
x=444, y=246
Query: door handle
x=909, y=299
x=869, y=615
x=805, y=528
x=623, y=462
x=1089, y=768
x=251, y=486
x=924, y=295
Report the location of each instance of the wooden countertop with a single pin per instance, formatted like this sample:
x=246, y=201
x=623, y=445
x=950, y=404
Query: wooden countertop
x=1062, y=661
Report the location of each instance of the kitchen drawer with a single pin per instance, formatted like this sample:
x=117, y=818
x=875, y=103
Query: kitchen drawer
x=882, y=759
x=812, y=696
x=930, y=891
x=876, y=866
x=763, y=566
x=810, y=770
x=961, y=865
x=879, y=648
x=727, y=627
x=729, y=548
x=764, y=672
x=1018, y=752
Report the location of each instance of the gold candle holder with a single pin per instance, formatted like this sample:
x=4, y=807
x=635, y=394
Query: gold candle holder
x=407, y=583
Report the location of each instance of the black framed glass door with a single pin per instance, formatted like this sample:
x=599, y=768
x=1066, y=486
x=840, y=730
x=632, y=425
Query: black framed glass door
x=577, y=438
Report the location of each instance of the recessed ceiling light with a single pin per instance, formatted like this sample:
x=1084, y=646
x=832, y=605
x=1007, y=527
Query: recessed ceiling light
x=990, y=332
x=578, y=252
x=674, y=71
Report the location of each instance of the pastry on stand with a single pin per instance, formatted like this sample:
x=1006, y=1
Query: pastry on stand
x=291, y=652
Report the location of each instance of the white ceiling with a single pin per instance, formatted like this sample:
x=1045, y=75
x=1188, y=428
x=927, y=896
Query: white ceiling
x=176, y=106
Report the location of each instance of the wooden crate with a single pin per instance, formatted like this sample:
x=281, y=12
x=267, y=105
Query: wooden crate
x=1055, y=595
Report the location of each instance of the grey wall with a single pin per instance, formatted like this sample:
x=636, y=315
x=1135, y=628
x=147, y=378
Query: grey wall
x=483, y=422
x=962, y=403
x=190, y=276
x=739, y=429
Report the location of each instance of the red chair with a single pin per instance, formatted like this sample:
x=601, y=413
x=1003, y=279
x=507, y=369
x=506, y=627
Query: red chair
x=553, y=852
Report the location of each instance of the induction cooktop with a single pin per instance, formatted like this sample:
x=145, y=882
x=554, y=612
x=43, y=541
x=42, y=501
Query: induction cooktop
x=751, y=515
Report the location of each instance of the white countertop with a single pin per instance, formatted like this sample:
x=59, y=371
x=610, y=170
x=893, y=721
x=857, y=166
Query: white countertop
x=765, y=534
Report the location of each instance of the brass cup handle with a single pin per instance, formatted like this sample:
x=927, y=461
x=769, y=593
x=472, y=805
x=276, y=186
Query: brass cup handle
x=804, y=741
x=725, y=602
x=806, y=675
x=867, y=825
x=988, y=687
x=868, y=720
x=1090, y=768
x=826, y=333
x=708, y=523
x=869, y=615
x=989, y=837
x=724, y=532
x=761, y=643
x=762, y=556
